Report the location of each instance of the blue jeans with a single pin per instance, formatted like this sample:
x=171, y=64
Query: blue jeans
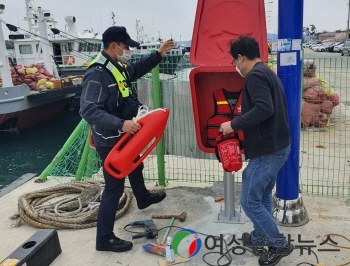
x=258, y=181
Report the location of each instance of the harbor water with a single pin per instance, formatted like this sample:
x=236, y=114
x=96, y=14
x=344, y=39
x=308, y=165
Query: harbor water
x=32, y=150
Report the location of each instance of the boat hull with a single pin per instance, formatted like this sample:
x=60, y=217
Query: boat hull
x=72, y=71
x=32, y=117
x=20, y=109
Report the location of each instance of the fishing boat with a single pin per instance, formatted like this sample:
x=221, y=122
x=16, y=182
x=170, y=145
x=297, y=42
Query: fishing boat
x=71, y=50
x=169, y=61
x=21, y=106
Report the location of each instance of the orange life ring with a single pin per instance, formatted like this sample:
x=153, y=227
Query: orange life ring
x=69, y=60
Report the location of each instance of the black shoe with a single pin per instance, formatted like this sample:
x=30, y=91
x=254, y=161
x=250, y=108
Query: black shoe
x=114, y=244
x=274, y=255
x=152, y=199
x=253, y=248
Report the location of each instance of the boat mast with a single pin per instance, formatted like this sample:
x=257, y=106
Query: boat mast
x=38, y=23
x=44, y=40
x=4, y=60
x=113, y=16
x=31, y=17
x=137, y=31
x=140, y=34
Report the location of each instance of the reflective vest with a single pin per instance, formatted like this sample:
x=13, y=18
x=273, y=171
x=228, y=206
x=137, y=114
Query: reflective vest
x=119, y=77
x=227, y=106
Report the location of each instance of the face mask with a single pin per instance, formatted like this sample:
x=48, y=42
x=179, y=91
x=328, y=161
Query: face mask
x=125, y=57
x=239, y=72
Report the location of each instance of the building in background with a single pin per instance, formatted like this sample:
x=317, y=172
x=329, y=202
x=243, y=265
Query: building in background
x=333, y=36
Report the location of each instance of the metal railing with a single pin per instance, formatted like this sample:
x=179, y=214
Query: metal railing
x=324, y=147
x=325, y=155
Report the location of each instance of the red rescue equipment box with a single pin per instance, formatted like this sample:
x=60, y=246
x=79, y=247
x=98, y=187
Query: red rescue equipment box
x=218, y=22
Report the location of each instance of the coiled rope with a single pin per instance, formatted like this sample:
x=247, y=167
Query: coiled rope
x=60, y=207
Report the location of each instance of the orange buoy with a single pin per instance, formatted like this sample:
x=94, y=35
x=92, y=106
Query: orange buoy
x=69, y=60
x=126, y=154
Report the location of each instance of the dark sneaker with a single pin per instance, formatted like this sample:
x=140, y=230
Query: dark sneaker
x=153, y=198
x=253, y=248
x=274, y=255
x=114, y=244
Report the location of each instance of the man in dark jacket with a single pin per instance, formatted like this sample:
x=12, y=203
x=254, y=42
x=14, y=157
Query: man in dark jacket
x=267, y=140
x=108, y=103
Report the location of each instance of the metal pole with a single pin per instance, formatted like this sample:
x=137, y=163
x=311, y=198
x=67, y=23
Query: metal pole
x=229, y=192
x=157, y=102
x=44, y=41
x=229, y=214
x=4, y=60
x=289, y=65
x=347, y=25
x=288, y=188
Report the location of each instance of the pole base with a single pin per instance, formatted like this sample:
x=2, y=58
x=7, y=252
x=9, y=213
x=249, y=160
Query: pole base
x=236, y=218
x=229, y=214
x=289, y=213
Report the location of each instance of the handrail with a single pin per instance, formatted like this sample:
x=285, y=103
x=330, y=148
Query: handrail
x=12, y=99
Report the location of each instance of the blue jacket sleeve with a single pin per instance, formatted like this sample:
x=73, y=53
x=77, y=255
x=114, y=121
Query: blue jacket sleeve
x=143, y=65
x=258, y=90
x=94, y=95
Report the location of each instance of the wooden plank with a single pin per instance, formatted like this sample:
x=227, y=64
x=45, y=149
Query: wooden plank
x=178, y=260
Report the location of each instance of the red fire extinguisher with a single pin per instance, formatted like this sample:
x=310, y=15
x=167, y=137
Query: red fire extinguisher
x=228, y=152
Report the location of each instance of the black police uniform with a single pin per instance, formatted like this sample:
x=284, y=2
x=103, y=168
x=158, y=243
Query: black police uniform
x=103, y=107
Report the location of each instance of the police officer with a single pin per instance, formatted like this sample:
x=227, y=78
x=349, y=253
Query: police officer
x=108, y=104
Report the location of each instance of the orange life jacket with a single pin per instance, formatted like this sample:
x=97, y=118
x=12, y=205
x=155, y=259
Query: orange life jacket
x=227, y=106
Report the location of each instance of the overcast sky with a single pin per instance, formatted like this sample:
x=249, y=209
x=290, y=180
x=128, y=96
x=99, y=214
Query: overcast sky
x=169, y=18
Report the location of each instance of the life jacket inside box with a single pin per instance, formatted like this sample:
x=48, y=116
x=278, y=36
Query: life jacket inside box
x=217, y=23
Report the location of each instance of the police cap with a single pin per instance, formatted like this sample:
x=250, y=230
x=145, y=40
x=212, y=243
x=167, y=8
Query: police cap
x=118, y=34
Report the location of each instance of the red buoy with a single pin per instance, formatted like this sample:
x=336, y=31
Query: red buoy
x=126, y=154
